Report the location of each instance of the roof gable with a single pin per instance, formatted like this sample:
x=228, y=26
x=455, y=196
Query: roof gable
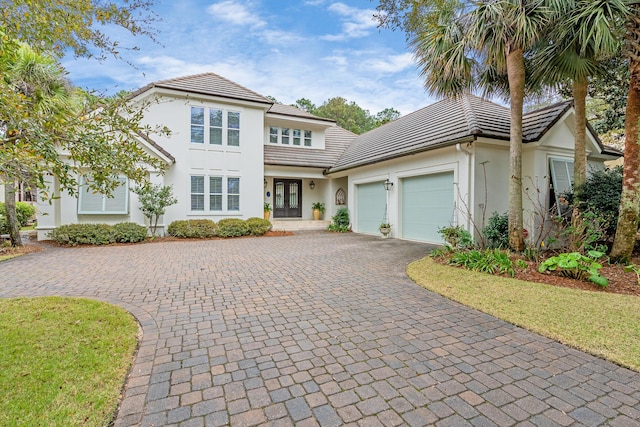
x=207, y=84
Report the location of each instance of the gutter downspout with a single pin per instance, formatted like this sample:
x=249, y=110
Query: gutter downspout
x=470, y=168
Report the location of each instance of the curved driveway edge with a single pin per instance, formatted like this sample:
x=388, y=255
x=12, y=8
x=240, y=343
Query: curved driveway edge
x=320, y=329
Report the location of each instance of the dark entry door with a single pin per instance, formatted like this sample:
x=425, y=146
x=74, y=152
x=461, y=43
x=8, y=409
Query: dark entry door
x=287, y=201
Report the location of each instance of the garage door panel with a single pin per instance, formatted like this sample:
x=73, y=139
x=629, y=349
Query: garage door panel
x=427, y=205
x=370, y=209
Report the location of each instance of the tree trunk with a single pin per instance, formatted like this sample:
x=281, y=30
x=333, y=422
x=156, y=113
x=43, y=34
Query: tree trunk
x=516, y=74
x=630, y=200
x=579, y=158
x=580, y=140
x=12, y=215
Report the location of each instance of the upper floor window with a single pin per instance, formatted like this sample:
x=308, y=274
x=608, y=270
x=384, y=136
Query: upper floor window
x=287, y=136
x=197, y=125
x=273, y=135
x=224, y=126
x=233, y=129
x=215, y=127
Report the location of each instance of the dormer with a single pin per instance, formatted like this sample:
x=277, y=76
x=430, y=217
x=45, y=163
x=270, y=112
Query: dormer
x=288, y=126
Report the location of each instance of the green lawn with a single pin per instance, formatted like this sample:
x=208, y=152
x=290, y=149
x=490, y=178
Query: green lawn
x=606, y=325
x=63, y=361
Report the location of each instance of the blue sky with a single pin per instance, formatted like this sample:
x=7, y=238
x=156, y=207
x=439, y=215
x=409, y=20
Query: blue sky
x=289, y=49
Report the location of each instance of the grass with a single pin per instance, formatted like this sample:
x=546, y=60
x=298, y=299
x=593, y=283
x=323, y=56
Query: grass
x=606, y=325
x=63, y=361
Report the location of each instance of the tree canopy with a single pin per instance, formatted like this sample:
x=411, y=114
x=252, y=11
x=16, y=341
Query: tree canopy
x=79, y=25
x=348, y=114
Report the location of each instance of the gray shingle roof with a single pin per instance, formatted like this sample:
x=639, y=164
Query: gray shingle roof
x=443, y=123
x=336, y=141
x=291, y=111
x=207, y=84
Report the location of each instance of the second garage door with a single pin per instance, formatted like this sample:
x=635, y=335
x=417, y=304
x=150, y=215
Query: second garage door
x=371, y=201
x=427, y=205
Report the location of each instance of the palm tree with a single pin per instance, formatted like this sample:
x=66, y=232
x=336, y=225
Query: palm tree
x=461, y=46
x=40, y=91
x=630, y=200
x=576, y=49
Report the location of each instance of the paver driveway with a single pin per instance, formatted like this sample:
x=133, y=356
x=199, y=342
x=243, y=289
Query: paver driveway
x=320, y=329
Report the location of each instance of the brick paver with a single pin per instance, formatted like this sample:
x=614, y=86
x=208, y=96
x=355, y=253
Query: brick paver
x=320, y=329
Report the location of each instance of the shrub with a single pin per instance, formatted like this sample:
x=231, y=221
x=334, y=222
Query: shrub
x=192, y=228
x=600, y=195
x=487, y=261
x=24, y=213
x=340, y=221
x=497, y=231
x=577, y=266
x=456, y=237
x=232, y=227
x=83, y=234
x=154, y=200
x=258, y=226
x=129, y=232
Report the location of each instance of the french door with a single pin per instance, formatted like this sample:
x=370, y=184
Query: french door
x=287, y=198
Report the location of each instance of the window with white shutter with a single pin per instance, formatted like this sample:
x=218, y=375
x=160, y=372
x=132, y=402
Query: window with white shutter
x=95, y=203
x=561, y=181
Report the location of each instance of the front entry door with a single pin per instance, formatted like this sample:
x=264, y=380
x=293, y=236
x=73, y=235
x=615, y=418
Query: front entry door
x=287, y=201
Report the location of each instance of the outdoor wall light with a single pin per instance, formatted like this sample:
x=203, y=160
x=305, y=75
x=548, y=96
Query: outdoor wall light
x=387, y=184
x=265, y=183
x=312, y=185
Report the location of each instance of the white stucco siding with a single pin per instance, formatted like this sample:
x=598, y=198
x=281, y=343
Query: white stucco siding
x=491, y=178
x=210, y=160
x=447, y=159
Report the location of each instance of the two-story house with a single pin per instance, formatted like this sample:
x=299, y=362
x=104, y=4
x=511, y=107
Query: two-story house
x=231, y=150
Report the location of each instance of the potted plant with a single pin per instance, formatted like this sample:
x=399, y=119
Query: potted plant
x=385, y=229
x=267, y=211
x=318, y=209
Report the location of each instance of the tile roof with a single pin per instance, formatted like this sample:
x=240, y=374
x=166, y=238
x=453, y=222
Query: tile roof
x=336, y=141
x=207, y=84
x=291, y=111
x=443, y=123
x=156, y=146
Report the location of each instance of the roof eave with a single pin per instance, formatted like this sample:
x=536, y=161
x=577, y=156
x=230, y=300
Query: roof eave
x=469, y=138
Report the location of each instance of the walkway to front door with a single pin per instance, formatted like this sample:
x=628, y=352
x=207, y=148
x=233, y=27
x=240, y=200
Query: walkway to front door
x=320, y=329
x=287, y=202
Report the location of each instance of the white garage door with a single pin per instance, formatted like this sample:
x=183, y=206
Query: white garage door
x=371, y=202
x=427, y=205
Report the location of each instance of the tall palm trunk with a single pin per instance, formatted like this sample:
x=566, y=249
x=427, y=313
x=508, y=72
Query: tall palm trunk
x=630, y=200
x=12, y=219
x=580, y=139
x=516, y=74
x=580, y=155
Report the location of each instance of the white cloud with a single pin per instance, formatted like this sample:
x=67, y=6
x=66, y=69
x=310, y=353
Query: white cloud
x=391, y=64
x=356, y=22
x=236, y=13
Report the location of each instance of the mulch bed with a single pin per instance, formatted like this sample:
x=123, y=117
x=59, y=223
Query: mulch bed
x=619, y=281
